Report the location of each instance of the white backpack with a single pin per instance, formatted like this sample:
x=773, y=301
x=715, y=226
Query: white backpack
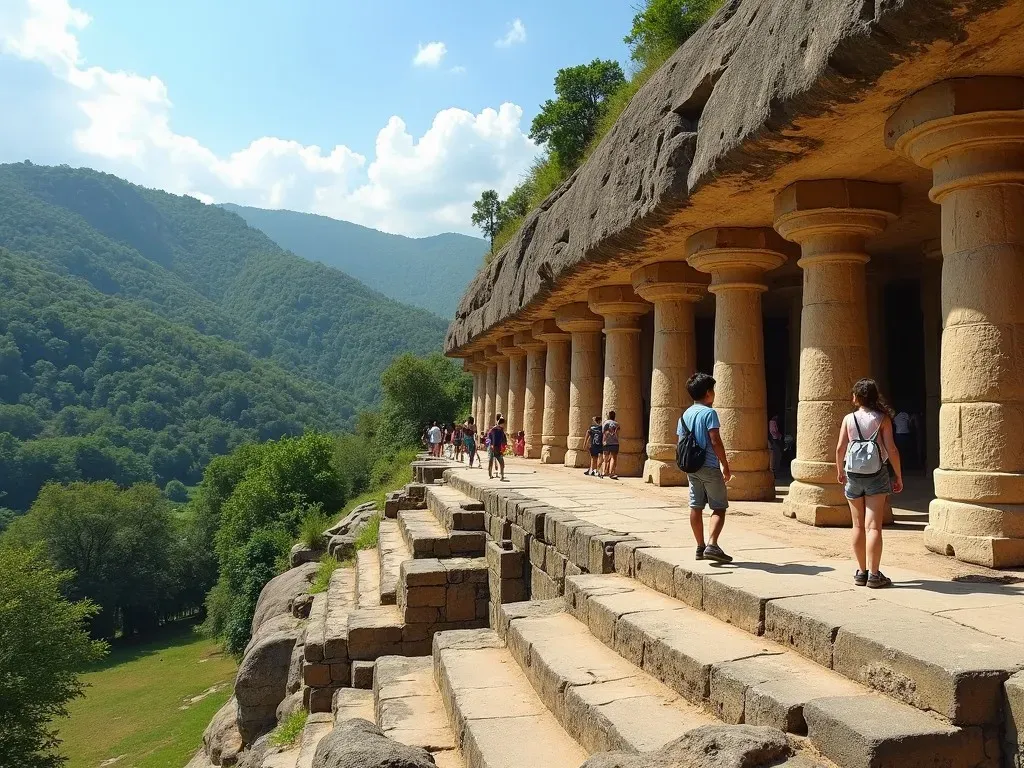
x=863, y=456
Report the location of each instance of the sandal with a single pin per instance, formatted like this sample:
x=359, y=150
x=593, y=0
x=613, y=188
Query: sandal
x=878, y=580
x=860, y=578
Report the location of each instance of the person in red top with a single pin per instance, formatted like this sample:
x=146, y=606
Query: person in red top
x=497, y=441
x=520, y=445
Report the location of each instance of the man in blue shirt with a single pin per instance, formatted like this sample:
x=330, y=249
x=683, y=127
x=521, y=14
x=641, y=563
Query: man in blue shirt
x=707, y=484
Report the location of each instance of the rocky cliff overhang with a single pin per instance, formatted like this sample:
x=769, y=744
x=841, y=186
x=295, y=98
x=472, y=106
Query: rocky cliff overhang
x=731, y=106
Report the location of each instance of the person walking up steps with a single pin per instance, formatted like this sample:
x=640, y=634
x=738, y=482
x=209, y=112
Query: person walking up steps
x=434, y=435
x=869, y=468
x=707, y=484
x=497, y=441
x=610, y=434
x=595, y=441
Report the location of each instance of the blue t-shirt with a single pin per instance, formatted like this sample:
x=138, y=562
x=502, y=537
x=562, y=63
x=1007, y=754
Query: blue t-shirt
x=699, y=419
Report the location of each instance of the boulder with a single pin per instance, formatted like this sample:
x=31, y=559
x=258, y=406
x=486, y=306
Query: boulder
x=200, y=760
x=342, y=547
x=300, y=554
x=711, y=746
x=361, y=744
x=301, y=606
x=257, y=754
x=262, y=680
x=221, y=740
x=291, y=704
x=353, y=521
x=295, y=668
x=277, y=594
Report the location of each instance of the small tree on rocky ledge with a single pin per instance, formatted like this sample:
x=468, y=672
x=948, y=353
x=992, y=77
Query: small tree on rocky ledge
x=485, y=214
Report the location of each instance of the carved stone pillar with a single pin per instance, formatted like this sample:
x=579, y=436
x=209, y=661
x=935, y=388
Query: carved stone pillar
x=490, y=387
x=673, y=287
x=516, y=389
x=969, y=133
x=555, y=427
x=831, y=220
x=622, y=309
x=737, y=259
x=931, y=313
x=533, y=397
x=471, y=368
x=586, y=377
x=501, y=379
x=480, y=405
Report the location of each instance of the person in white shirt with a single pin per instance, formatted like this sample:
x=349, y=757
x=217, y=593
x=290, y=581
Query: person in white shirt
x=434, y=436
x=903, y=431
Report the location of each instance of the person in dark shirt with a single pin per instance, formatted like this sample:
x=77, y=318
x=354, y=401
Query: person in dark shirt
x=497, y=441
x=595, y=442
x=610, y=433
x=469, y=440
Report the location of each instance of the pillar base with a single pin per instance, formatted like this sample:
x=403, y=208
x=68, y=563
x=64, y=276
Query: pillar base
x=823, y=506
x=752, y=486
x=575, y=457
x=629, y=465
x=532, y=451
x=664, y=473
x=552, y=454
x=987, y=535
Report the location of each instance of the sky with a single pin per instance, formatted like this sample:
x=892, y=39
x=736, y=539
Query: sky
x=392, y=115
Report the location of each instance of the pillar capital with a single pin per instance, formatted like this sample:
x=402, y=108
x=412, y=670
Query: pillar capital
x=470, y=365
x=832, y=218
x=737, y=257
x=524, y=340
x=619, y=305
x=548, y=331
x=669, y=280
x=968, y=131
x=492, y=355
x=507, y=346
x=577, y=318
x=932, y=249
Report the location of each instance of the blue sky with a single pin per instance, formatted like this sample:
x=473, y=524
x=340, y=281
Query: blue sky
x=294, y=104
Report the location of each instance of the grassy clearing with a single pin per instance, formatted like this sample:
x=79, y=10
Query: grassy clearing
x=148, y=704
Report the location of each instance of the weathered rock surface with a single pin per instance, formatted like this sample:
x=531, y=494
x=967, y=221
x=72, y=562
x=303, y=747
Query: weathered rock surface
x=300, y=554
x=717, y=107
x=360, y=744
x=262, y=680
x=200, y=760
x=221, y=740
x=278, y=593
x=291, y=704
x=352, y=522
x=713, y=746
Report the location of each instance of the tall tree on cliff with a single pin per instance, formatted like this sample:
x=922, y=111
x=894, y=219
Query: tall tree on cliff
x=485, y=214
x=663, y=25
x=568, y=122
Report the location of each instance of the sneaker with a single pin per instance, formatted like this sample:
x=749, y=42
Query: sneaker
x=860, y=578
x=878, y=580
x=712, y=552
x=700, y=553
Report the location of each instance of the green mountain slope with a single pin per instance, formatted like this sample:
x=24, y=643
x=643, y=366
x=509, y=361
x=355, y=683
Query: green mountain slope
x=429, y=272
x=202, y=266
x=96, y=387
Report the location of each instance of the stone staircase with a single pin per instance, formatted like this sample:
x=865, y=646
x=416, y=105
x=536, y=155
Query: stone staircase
x=427, y=574
x=627, y=645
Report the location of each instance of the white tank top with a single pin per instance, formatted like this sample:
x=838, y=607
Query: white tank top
x=869, y=422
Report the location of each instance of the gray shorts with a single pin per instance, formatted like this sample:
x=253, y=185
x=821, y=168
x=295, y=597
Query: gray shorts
x=878, y=484
x=707, y=487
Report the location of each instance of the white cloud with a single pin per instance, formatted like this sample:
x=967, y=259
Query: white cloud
x=120, y=122
x=429, y=55
x=458, y=70
x=516, y=34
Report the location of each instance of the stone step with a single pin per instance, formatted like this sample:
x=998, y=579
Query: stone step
x=498, y=718
x=367, y=578
x=375, y=632
x=426, y=537
x=602, y=700
x=392, y=552
x=921, y=659
x=326, y=664
x=443, y=594
x=455, y=510
x=317, y=726
x=409, y=709
x=353, y=702
x=754, y=680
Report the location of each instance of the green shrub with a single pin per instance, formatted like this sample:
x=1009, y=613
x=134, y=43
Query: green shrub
x=314, y=523
x=328, y=565
x=367, y=538
x=288, y=732
x=176, y=491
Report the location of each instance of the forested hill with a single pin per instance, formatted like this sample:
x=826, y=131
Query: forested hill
x=142, y=333
x=428, y=272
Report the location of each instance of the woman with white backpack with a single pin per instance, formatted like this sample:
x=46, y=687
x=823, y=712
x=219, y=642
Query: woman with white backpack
x=869, y=468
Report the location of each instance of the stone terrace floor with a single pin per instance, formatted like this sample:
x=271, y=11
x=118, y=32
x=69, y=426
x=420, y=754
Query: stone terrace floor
x=759, y=537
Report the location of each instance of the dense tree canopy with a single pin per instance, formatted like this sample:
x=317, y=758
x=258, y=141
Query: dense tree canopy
x=43, y=647
x=661, y=26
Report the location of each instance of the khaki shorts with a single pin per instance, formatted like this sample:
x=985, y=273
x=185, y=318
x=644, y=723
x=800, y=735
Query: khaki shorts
x=707, y=488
